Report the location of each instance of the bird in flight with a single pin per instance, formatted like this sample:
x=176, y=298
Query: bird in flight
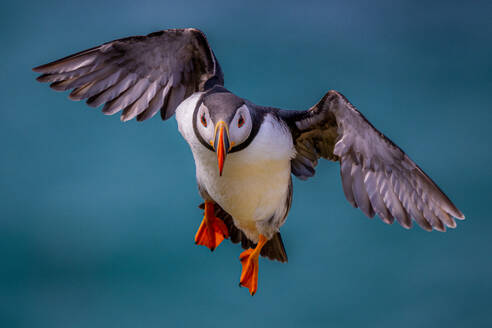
x=248, y=196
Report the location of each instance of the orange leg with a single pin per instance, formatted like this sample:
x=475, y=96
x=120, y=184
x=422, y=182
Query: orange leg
x=212, y=230
x=249, y=261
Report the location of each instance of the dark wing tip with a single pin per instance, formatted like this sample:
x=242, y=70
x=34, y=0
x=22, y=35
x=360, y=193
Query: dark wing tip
x=40, y=69
x=49, y=67
x=41, y=78
x=459, y=215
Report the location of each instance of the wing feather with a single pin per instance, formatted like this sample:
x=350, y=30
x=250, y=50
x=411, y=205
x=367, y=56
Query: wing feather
x=375, y=197
x=126, y=98
x=125, y=81
x=139, y=75
x=155, y=104
x=377, y=176
x=140, y=104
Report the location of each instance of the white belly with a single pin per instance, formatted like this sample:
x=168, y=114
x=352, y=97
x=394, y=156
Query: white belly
x=255, y=181
x=250, y=191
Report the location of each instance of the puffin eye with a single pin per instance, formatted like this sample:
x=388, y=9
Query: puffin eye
x=203, y=120
x=240, y=122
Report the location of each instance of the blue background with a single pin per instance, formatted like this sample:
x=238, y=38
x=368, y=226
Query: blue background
x=98, y=217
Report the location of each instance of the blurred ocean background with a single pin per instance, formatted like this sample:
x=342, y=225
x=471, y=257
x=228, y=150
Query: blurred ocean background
x=98, y=217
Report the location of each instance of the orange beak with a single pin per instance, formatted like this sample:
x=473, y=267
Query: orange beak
x=221, y=143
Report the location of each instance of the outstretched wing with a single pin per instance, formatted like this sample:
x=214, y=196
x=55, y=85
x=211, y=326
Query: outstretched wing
x=140, y=74
x=377, y=176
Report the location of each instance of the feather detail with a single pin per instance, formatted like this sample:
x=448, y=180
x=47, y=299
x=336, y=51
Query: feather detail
x=377, y=176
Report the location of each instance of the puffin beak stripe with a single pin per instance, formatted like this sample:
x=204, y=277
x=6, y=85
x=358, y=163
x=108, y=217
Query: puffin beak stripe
x=221, y=143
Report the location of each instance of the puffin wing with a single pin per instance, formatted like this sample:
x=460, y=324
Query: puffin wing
x=377, y=176
x=139, y=75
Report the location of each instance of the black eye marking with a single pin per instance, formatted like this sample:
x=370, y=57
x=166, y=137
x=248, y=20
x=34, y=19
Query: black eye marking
x=240, y=122
x=203, y=120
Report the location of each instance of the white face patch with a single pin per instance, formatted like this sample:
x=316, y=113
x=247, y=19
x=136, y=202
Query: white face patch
x=241, y=125
x=204, y=124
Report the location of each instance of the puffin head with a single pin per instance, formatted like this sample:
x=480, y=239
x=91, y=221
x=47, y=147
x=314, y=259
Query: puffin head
x=223, y=123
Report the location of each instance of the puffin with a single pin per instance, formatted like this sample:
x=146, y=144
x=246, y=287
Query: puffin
x=246, y=154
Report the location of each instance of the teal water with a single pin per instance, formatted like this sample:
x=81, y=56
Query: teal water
x=98, y=217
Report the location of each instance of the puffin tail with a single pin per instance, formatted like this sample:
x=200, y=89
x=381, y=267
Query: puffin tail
x=274, y=249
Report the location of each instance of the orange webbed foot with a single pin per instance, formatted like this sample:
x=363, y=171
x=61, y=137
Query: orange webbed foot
x=212, y=230
x=250, y=266
x=249, y=273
